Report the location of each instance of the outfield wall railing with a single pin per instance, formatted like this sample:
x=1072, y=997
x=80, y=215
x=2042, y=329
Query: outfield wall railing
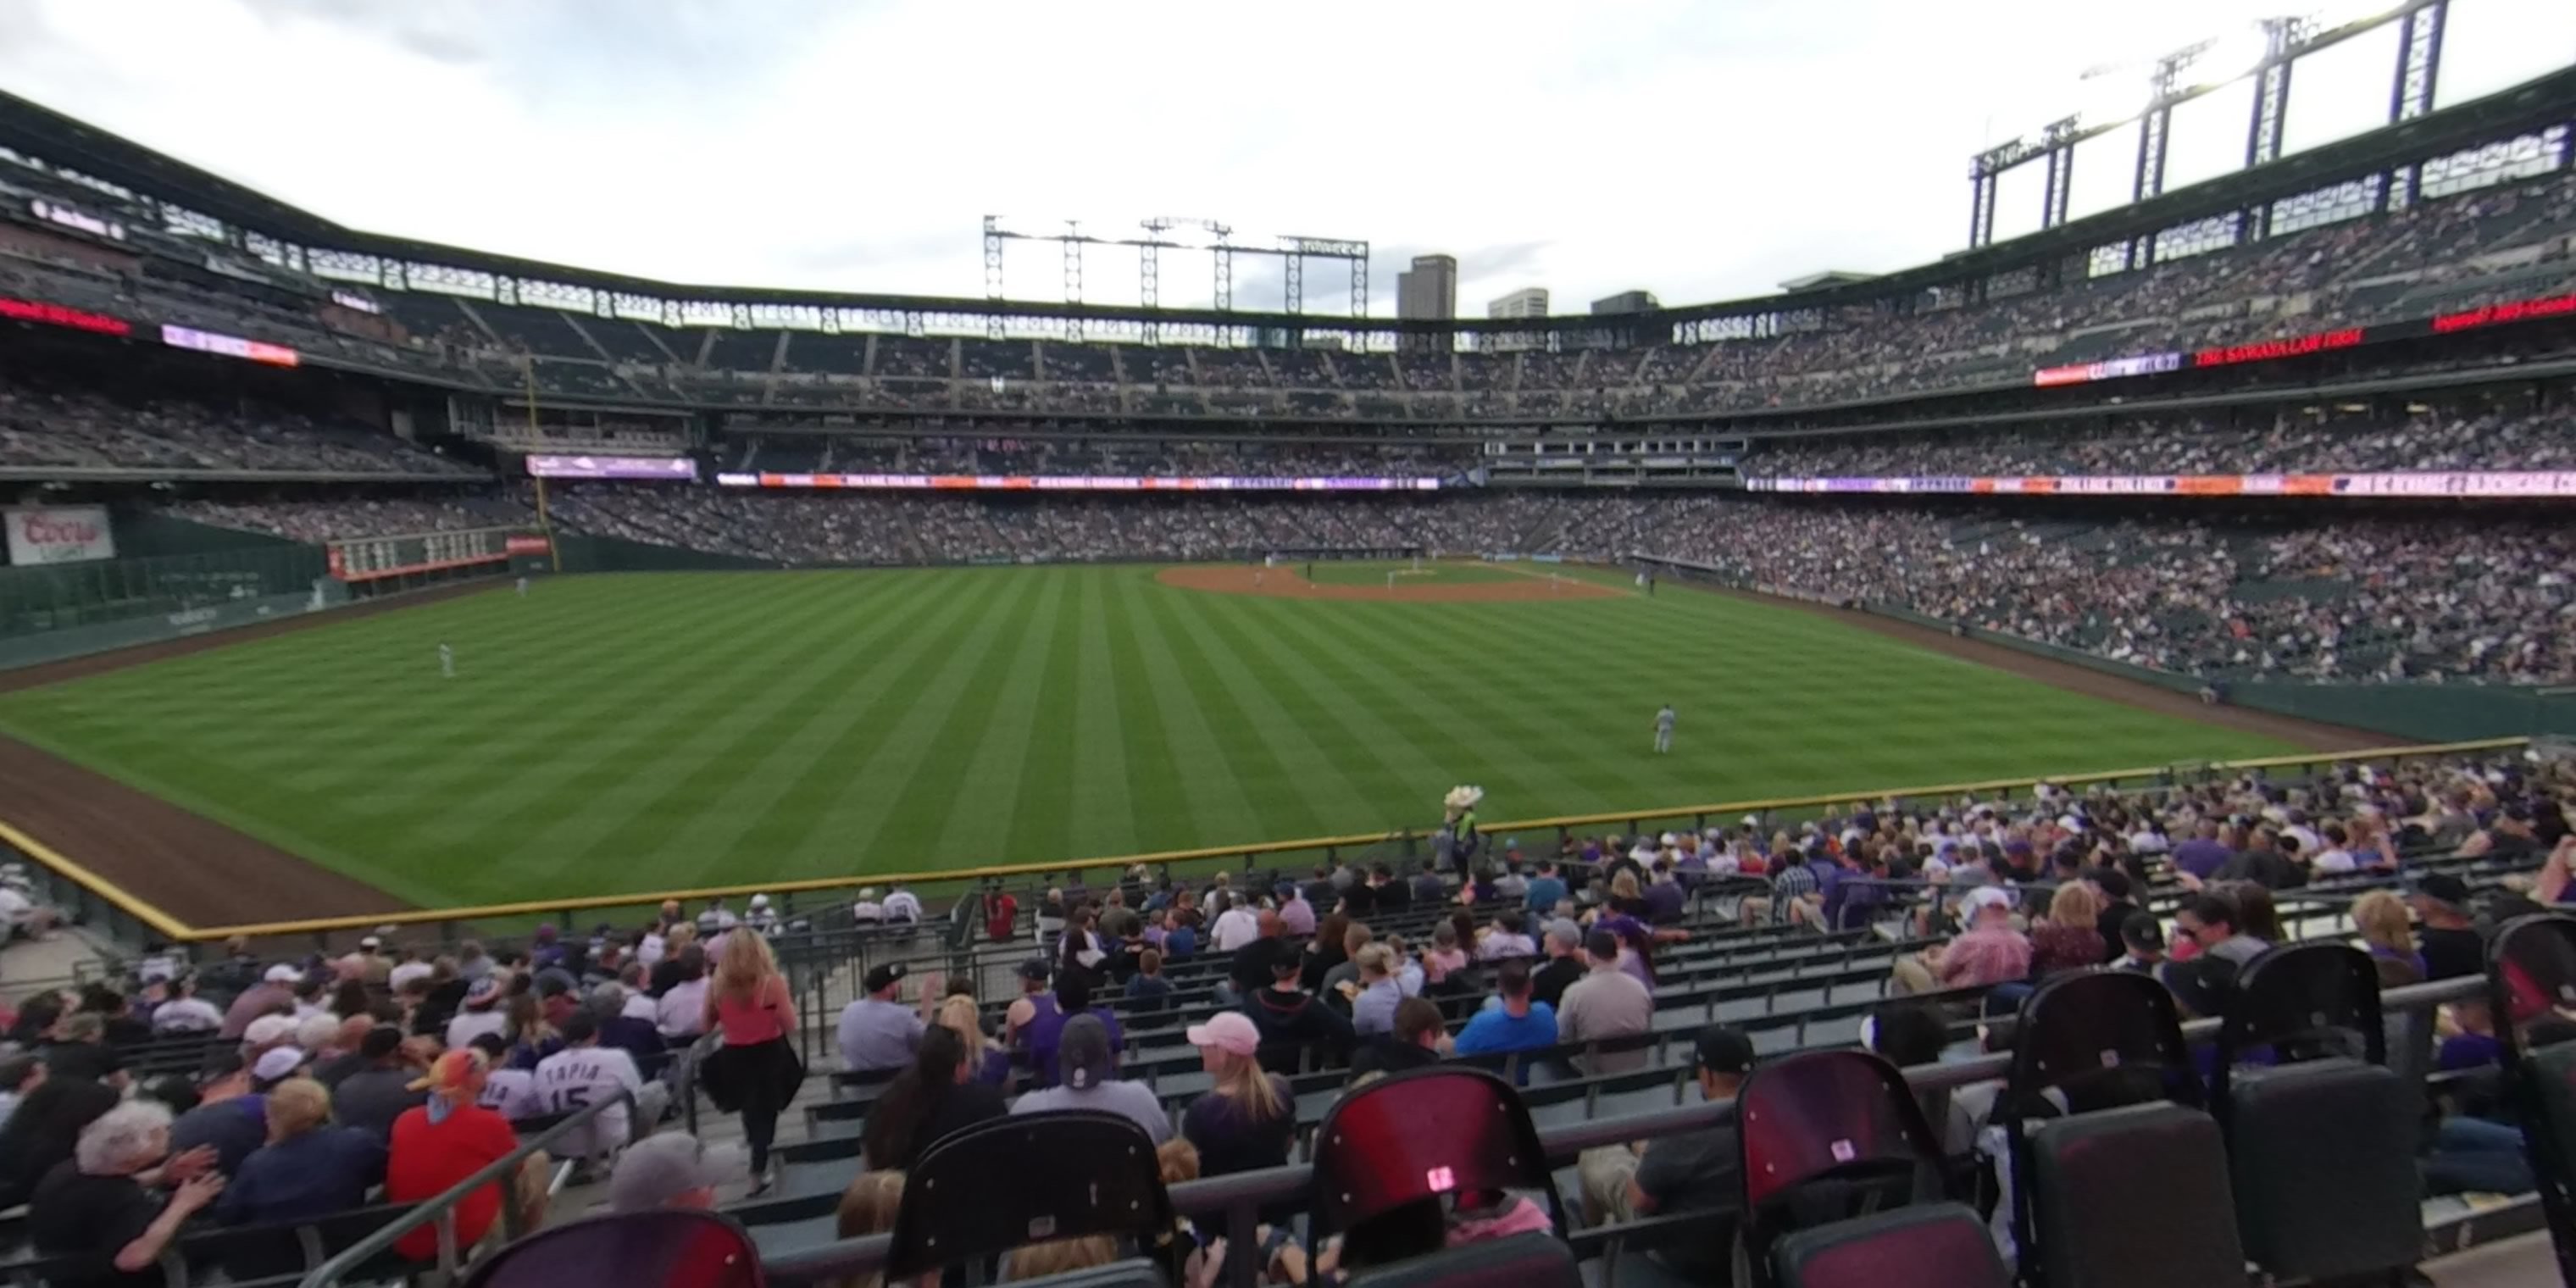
x=138, y=917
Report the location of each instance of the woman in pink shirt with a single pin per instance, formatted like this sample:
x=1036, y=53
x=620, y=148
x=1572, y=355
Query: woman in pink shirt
x=756, y=1070
x=1444, y=956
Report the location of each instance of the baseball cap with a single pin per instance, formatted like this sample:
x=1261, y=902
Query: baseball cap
x=482, y=992
x=885, y=976
x=269, y=1030
x=282, y=974
x=1034, y=968
x=1722, y=1050
x=451, y=1071
x=277, y=1065
x=2444, y=888
x=1083, y=1048
x=1227, y=1031
x=371, y=942
x=1982, y=898
x=663, y=1166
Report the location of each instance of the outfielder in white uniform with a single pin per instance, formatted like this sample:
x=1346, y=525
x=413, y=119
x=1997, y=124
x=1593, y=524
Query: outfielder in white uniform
x=1664, y=730
x=447, y=661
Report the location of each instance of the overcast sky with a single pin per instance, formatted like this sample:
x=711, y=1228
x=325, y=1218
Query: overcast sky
x=1701, y=149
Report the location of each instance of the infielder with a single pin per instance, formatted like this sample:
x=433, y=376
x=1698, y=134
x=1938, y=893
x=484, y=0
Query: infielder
x=1664, y=730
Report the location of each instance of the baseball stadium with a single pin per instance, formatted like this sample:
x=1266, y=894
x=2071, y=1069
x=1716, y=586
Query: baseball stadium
x=2139, y=643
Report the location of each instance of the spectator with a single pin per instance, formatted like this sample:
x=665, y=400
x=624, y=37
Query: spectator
x=1235, y=928
x=2204, y=854
x=1506, y=939
x=97, y=1208
x=1148, y=993
x=1375, y=995
x=43, y=1130
x=483, y=1013
x=1563, y=945
x=183, y=1012
x=343, y=1054
x=755, y=1069
x=679, y=1013
x=670, y=1169
x=436, y=1145
x=868, y=1207
x=876, y=1031
x=307, y=1169
x=1607, y=1003
x=80, y=1050
x=231, y=1114
x=1512, y=1021
x=1420, y=1037
x=2069, y=938
x=937, y=1094
x=1045, y=1034
x=2263, y=864
x=1546, y=890
x=2142, y=940
x=1684, y=1172
x=1247, y=1119
x=587, y=1072
x=959, y=1015
x=273, y=995
x=2451, y=945
x=2117, y=907
x=1989, y=951
x=511, y=1093
x=1292, y=1022
x=2210, y=922
x=1090, y=1081
x=1445, y=958
x=2380, y=917
x=378, y=1094
x=19, y=1074
x=1255, y=961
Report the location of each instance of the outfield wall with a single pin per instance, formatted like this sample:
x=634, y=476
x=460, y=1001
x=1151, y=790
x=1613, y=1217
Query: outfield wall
x=2417, y=712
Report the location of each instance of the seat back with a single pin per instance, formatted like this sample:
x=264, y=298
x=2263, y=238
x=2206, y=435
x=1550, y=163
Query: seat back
x=1828, y=1135
x=973, y=1193
x=2110, y=1045
x=2321, y=1146
x=2531, y=988
x=2133, y=1197
x=1134, y=1272
x=1931, y=1245
x=665, y=1248
x=1425, y=1134
x=1521, y=1261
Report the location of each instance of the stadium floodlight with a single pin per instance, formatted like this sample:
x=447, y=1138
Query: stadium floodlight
x=2111, y=95
x=2231, y=54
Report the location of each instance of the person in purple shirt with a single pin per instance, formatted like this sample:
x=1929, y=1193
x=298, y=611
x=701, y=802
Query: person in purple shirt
x=1046, y=1032
x=1664, y=898
x=2204, y=854
x=1296, y=916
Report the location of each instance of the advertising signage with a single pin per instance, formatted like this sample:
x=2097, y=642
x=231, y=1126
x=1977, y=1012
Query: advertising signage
x=1074, y=483
x=2555, y=306
x=2496, y=484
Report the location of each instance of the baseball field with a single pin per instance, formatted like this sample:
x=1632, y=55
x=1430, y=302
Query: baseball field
x=625, y=733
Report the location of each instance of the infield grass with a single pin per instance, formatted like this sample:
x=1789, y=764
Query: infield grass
x=625, y=733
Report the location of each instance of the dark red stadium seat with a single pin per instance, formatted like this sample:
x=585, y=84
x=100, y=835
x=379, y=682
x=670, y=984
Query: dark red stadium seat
x=667, y=1248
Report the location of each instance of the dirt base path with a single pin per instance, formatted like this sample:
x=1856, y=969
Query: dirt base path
x=197, y=870
x=1288, y=583
x=2309, y=735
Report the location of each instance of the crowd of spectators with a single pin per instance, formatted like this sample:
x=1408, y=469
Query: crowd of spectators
x=318, y=521
x=1099, y=456
x=52, y=423
x=2432, y=438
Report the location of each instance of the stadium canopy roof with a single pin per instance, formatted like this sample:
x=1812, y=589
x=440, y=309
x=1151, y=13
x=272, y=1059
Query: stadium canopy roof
x=2535, y=104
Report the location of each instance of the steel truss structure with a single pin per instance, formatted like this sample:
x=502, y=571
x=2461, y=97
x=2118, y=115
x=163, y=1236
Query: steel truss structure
x=1216, y=238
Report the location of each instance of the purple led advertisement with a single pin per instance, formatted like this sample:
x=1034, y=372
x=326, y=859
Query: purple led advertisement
x=613, y=467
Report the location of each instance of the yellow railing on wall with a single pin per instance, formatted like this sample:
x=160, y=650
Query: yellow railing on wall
x=170, y=928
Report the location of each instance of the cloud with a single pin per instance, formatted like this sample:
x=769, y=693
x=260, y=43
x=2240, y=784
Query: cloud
x=1701, y=149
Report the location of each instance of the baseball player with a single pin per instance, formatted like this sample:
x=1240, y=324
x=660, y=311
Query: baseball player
x=1664, y=730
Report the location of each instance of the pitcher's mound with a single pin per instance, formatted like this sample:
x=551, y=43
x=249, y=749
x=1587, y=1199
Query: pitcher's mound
x=1285, y=583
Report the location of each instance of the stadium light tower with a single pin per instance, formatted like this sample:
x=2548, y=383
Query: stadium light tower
x=1168, y=232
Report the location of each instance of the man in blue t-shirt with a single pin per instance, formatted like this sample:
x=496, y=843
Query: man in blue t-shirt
x=1511, y=1022
x=1546, y=890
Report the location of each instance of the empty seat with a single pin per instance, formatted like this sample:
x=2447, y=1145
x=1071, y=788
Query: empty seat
x=2098, y=1193
x=2531, y=970
x=973, y=1194
x=1424, y=1137
x=2321, y=1145
x=1827, y=1136
x=1932, y=1245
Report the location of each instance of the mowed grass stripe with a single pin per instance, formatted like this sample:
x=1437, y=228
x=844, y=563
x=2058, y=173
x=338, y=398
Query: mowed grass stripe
x=1100, y=791
x=987, y=792
x=1159, y=803
x=1269, y=754
x=729, y=781
x=1050, y=814
x=1200, y=761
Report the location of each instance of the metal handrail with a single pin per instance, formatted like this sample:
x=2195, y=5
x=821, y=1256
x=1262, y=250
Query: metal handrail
x=1237, y=1200
x=441, y=1208
x=1564, y=822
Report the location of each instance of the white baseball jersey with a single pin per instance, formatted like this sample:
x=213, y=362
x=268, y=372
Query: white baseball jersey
x=511, y=1093
x=574, y=1077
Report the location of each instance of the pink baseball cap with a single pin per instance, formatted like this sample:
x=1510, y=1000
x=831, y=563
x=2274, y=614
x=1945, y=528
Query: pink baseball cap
x=1227, y=1031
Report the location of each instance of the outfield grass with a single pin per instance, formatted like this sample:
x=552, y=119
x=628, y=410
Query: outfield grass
x=625, y=733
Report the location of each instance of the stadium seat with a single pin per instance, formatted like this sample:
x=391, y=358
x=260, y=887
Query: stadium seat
x=2531, y=975
x=972, y=1193
x=2321, y=1145
x=1932, y=1245
x=1521, y=1261
x=1827, y=1136
x=2099, y=1193
x=664, y=1248
x=1134, y=1272
x=1427, y=1134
